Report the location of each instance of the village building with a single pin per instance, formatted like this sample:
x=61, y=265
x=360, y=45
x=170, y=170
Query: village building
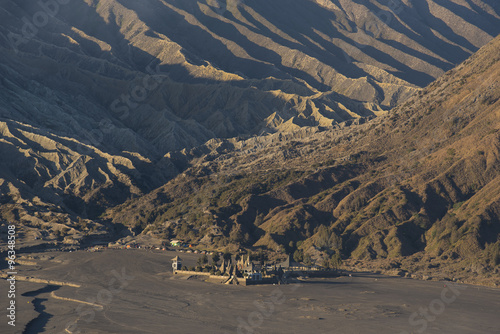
x=290, y=265
x=248, y=269
x=175, y=243
x=176, y=263
x=244, y=271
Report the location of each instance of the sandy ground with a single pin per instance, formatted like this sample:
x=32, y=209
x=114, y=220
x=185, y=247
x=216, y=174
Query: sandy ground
x=133, y=291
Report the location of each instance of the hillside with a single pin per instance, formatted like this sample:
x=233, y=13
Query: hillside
x=158, y=76
x=415, y=190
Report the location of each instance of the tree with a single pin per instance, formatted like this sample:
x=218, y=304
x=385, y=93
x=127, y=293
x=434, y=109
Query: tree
x=298, y=255
x=493, y=253
x=259, y=219
x=215, y=257
x=236, y=235
x=327, y=240
x=308, y=260
x=246, y=238
x=307, y=228
x=191, y=236
x=204, y=259
x=261, y=257
x=226, y=256
x=322, y=237
x=326, y=263
x=336, y=260
x=335, y=242
x=183, y=231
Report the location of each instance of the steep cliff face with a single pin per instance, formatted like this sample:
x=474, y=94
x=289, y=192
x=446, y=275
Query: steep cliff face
x=418, y=184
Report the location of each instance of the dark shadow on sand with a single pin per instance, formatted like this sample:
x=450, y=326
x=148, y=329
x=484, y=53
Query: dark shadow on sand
x=37, y=325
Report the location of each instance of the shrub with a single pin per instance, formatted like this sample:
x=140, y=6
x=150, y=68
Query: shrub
x=336, y=261
x=298, y=255
x=215, y=257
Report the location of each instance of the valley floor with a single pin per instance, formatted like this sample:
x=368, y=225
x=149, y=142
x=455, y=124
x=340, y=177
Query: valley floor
x=134, y=291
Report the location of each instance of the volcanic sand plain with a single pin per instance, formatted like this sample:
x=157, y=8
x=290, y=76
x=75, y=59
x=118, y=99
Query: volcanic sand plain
x=134, y=291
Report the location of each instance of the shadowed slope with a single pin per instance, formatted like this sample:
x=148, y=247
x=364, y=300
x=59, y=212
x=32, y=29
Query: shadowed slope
x=342, y=59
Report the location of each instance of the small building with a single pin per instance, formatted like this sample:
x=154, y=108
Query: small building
x=175, y=243
x=255, y=276
x=176, y=263
x=289, y=264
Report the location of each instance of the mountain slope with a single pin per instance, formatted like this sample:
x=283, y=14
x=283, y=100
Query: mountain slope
x=230, y=68
x=418, y=187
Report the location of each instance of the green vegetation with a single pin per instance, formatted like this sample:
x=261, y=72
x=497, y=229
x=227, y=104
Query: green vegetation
x=326, y=240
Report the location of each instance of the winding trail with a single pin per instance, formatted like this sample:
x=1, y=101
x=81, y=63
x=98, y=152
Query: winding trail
x=53, y=295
